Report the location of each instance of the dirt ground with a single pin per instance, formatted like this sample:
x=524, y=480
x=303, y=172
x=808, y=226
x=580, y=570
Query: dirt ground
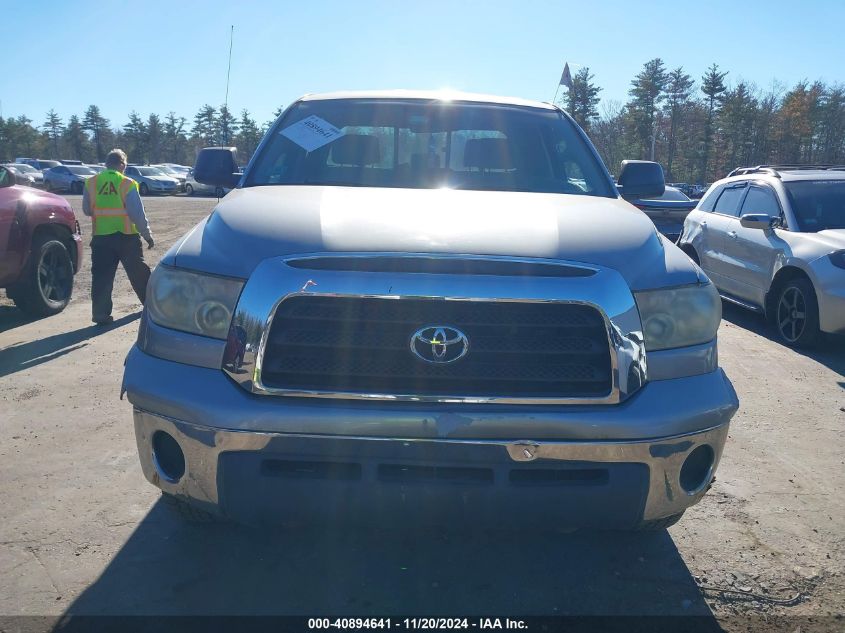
x=82, y=532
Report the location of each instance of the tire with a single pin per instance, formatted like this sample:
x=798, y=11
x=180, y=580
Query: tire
x=185, y=511
x=659, y=524
x=76, y=187
x=144, y=190
x=795, y=313
x=189, y=190
x=46, y=285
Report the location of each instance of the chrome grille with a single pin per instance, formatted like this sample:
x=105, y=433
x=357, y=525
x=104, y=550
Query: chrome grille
x=361, y=345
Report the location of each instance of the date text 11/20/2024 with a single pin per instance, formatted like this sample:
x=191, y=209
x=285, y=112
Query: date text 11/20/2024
x=355, y=624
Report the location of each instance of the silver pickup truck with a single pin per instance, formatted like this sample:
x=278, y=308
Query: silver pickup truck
x=429, y=307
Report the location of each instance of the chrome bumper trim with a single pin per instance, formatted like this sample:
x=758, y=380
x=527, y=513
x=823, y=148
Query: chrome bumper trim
x=203, y=445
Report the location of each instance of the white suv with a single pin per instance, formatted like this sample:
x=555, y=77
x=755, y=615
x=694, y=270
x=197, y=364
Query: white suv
x=772, y=239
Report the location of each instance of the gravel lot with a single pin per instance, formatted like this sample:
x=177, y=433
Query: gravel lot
x=82, y=532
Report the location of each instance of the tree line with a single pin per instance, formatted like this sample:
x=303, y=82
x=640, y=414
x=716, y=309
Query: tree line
x=698, y=129
x=155, y=139
x=701, y=129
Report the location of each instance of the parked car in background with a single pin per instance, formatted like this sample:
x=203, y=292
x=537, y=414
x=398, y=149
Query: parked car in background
x=177, y=175
x=667, y=211
x=42, y=164
x=67, y=161
x=151, y=180
x=96, y=168
x=40, y=247
x=67, y=178
x=425, y=306
x=772, y=239
x=26, y=175
x=698, y=191
x=194, y=188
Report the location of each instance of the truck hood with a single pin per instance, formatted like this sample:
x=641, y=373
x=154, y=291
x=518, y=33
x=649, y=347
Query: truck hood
x=255, y=223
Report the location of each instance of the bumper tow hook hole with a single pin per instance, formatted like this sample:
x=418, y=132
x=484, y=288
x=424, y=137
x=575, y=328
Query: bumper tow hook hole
x=695, y=473
x=168, y=457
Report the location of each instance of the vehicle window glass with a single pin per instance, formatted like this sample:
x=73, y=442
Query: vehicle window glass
x=5, y=177
x=728, y=202
x=424, y=144
x=761, y=200
x=817, y=204
x=674, y=196
x=708, y=201
x=78, y=170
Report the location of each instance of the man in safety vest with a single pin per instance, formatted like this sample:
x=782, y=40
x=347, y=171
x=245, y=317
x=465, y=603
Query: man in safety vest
x=114, y=204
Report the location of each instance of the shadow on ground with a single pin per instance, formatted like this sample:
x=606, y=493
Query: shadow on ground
x=830, y=351
x=12, y=317
x=17, y=357
x=168, y=567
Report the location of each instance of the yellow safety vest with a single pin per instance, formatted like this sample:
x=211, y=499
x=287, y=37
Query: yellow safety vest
x=107, y=193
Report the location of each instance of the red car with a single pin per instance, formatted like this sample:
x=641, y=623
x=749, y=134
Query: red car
x=40, y=247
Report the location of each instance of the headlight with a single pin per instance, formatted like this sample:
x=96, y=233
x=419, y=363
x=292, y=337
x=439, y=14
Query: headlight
x=837, y=259
x=192, y=302
x=678, y=317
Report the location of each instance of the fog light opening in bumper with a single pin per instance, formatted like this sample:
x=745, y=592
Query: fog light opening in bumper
x=168, y=457
x=697, y=469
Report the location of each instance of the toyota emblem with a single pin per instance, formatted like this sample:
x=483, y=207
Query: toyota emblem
x=439, y=344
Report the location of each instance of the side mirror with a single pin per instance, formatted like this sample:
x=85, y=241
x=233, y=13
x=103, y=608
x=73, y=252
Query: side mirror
x=641, y=179
x=218, y=167
x=757, y=221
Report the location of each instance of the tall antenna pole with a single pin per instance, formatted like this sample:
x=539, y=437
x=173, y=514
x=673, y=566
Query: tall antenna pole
x=228, y=72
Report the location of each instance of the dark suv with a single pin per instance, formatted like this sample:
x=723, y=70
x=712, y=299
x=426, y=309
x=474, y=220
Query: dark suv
x=40, y=247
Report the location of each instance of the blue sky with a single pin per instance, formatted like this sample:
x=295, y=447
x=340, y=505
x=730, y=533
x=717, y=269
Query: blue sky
x=156, y=56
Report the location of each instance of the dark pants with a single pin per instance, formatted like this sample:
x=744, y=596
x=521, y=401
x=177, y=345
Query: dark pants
x=106, y=252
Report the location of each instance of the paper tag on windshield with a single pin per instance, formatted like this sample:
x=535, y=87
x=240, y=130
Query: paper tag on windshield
x=312, y=132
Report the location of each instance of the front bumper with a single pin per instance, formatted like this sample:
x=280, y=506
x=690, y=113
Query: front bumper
x=829, y=282
x=258, y=458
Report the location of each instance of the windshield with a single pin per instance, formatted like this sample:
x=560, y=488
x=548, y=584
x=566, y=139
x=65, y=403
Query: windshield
x=79, y=170
x=150, y=171
x=817, y=204
x=673, y=195
x=46, y=164
x=429, y=144
x=24, y=169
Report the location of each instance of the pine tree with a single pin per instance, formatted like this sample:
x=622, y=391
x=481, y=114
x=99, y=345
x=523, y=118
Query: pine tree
x=582, y=99
x=135, y=133
x=205, y=125
x=227, y=126
x=174, y=138
x=248, y=137
x=646, y=94
x=98, y=125
x=155, y=139
x=53, y=128
x=76, y=141
x=713, y=87
x=678, y=91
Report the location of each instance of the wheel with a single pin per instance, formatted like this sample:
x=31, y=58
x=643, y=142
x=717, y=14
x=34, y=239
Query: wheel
x=47, y=186
x=185, y=511
x=47, y=282
x=659, y=524
x=796, y=313
x=189, y=190
x=76, y=187
x=143, y=189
